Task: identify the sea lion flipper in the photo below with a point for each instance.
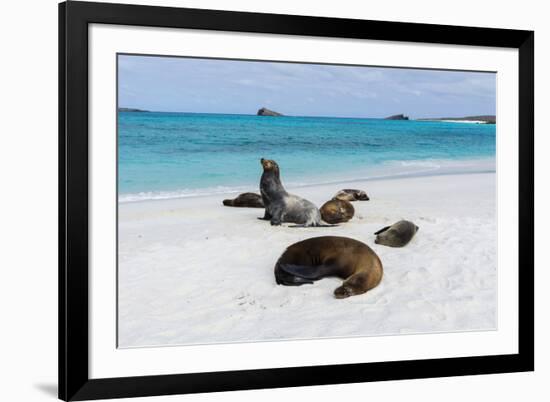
(321, 225)
(293, 281)
(266, 217)
(284, 278)
(382, 230)
(307, 271)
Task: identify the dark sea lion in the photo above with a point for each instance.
(319, 257)
(281, 206)
(349, 194)
(248, 200)
(396, 235)
(337, 211)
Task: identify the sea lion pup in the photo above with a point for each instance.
(396, 235)
(249, 200)
(281, 206)
(318, 257)
(337, 211)
(349, 194)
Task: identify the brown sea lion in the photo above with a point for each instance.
(396, 235)
(319, 257)
(281, 206)
(245, 200)
(349, 194)
(337, 211)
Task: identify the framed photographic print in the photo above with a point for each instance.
(257, 200)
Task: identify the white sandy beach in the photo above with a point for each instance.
(194, 271)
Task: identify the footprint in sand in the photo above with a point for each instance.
(284, 303)
(242, 299)
(245, 300)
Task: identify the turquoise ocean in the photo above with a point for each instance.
(172, 155)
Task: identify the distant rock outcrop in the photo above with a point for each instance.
(130, 109)
(266, 112)
(397, 117)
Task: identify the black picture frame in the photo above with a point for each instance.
(74, 381)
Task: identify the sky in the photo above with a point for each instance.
(177, 84)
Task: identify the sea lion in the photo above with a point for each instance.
(349, 194)
(396, 235)
(318, 257)
(337, 211)
(281, 206)
(250, 200)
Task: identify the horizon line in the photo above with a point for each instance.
(136, 109)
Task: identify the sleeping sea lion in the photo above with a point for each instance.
(349, 194)
(318, 257)
(281, 206)
(337, 211)
(396, 235)
(250, 200)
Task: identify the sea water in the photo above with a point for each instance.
(170, 155)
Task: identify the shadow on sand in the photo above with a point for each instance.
(48, 389)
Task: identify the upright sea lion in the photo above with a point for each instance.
(337, 211)
(249, 200)
(281, 206)
(318, 257)
(349, 194)
(396, 235)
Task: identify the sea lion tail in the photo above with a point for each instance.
(228, 203)
(289, 280)
(282, 277)
(382, 230)
(312, 272)
(320, 225)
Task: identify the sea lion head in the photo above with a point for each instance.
(345, 291)
(362, 196)
(342, 292)
(269, 165)
(351, 195)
